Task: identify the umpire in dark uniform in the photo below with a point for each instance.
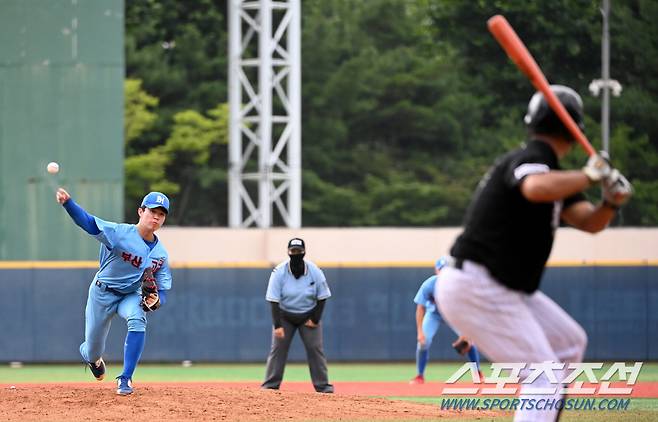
(489, 290)
(297, 292)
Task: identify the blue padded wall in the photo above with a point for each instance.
(220, 314)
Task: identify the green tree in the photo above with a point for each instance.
(179, 50)
(190, 165)
(138, 114)
(571, 55)
(405, 104)
(387, 115)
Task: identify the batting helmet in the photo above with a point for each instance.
(440, 263)
(540, 118)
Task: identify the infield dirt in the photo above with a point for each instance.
(203, 402)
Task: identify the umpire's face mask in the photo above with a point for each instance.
(297, 262)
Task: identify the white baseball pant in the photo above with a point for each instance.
(510, 326)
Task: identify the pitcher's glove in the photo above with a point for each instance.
(461, 345)
(150, 297)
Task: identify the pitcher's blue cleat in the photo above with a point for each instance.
(124, 386)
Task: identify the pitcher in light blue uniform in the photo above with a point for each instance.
(428, 321)
(126, 251)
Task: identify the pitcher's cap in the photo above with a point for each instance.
(156, 200)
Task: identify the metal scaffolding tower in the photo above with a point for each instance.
(265, 112)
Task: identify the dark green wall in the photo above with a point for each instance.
(61, 99)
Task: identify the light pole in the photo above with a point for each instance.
(605, 84)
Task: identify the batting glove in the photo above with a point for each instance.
(617, 190)
(598, 167)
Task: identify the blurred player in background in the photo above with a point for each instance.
(498, 260)
(126, 251)
(428, 321)
(297, 292)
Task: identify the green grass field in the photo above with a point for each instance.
(639, 409)
(372, 372)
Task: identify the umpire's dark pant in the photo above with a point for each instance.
(317, 362)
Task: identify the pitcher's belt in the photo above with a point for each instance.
(104, 288)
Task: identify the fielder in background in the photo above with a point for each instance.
(428, 321)
(498, 260)
(127, 252)
(297, 292)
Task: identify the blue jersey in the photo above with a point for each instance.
(124, 256)
(425, 295)
(297, 295)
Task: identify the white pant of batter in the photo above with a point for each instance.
(510, 326)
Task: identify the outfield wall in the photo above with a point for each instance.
(219, 313)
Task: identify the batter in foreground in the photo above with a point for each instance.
(489, 290)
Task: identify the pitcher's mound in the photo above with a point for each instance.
(199, 402)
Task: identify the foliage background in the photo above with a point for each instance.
(405, 103)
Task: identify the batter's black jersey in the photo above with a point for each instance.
(504, 231)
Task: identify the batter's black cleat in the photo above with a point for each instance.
(97, 369)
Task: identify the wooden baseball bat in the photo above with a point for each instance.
(517, 51)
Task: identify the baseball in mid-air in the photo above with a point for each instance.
(52, 167)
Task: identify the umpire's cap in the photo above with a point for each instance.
(296, 244)
(156, 200)
(541, 118)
